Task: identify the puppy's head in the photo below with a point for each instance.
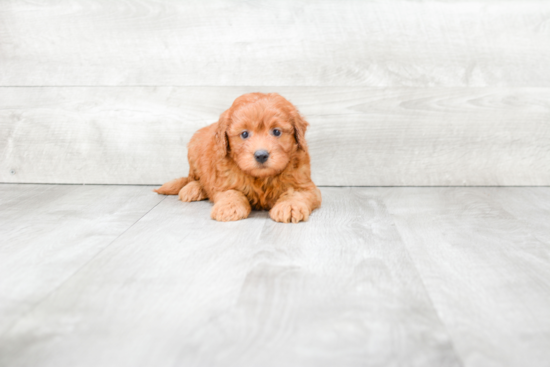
(261, 133)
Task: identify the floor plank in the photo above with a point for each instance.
(377, 277)
(337, 291)
(530, 205)
(180, 289)
(134, 304)
(12, 195)
(487, 271)
(48, 232)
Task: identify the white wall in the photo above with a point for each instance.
(397, 92)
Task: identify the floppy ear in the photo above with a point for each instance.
(300, 127)
(222, 143)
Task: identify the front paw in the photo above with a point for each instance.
(290, 211)
(192, 192)
(229, 211)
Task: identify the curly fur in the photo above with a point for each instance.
(223, 168)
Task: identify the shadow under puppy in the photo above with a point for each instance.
(256, 157)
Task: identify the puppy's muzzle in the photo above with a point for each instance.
(261, 156)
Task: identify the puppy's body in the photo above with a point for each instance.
(224, 167)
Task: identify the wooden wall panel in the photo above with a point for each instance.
(275, 43)
(398, 93)
(358, 136)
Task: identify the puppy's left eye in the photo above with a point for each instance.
(276, 132)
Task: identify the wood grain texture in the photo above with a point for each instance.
(275, 43)
(180, 289)
(358, 136)
(531, 206)
(339, 290)
(49, 232)
(484, 257)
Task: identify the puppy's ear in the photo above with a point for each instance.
(300, 127)
(222, 143)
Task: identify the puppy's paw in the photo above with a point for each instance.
(289, 211)
(192, 192)
(227, 211)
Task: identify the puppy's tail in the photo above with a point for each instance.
(173, 187)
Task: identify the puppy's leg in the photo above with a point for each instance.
(295, 206)
(193, 191)
(230, 205)
(173, 187)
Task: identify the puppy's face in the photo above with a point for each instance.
(262, 132)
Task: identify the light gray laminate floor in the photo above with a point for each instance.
(119, 276)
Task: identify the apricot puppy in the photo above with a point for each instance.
(254, 157)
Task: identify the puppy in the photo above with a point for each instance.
(254, 157)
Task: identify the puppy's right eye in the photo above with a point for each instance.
(244, 134)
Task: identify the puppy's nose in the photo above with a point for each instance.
(261, 156)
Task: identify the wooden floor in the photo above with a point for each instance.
(119, 276)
